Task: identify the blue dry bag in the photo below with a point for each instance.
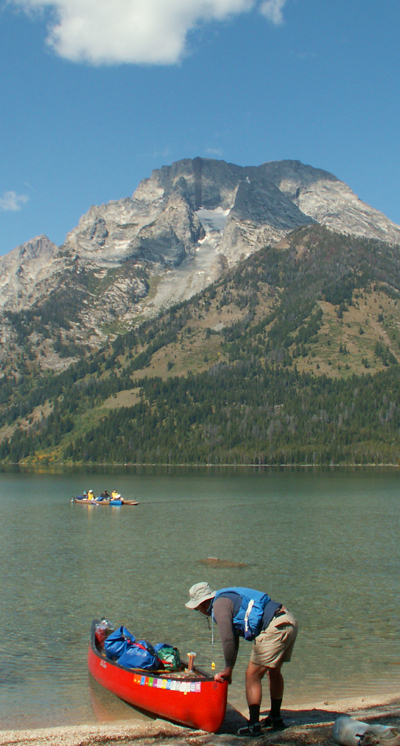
(140, 655)
(116, 643)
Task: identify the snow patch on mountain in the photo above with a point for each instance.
(213, 221)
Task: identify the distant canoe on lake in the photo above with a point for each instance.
(96, 501)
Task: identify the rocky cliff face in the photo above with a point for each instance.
(330, 202)
(181, 228)
(24, 272)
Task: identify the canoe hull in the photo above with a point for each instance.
(89, 502)
(198, 703)
(104, 502)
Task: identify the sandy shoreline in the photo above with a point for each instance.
(307, 724)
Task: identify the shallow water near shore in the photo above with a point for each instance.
(325, 543)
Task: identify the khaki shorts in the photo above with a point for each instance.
(274, 645)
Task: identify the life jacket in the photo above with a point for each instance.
(247, 622)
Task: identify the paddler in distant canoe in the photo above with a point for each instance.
(104, 496)
(245, 612)
(116, 496)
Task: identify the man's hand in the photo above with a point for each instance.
(225, 675)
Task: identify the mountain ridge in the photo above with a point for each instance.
(184, 226)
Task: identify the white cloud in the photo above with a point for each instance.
(214, 151)
(135, 31)
(272, 9)
(10, 201)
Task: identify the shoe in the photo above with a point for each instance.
(251, 730)
(274, 723)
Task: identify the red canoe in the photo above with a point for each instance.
(193, 699)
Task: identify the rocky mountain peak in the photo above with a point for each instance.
(24, 269)
(182, 227)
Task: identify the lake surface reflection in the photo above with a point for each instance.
(324, 543)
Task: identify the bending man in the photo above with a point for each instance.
(244, 612)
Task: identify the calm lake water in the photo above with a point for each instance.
(324, 543)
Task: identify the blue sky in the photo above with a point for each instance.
(96, 94)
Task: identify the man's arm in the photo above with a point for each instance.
(223, 614)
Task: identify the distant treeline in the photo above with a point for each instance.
(240, 413)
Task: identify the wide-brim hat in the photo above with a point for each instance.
(198, 593)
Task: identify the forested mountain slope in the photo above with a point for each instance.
(291, 357)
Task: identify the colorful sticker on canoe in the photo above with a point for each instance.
(172, 685)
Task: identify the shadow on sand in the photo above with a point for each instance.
(309, 726)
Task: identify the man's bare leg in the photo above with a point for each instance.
(276, 683)
(254, 677)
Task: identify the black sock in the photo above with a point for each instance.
(275, 712)
(254, 712)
